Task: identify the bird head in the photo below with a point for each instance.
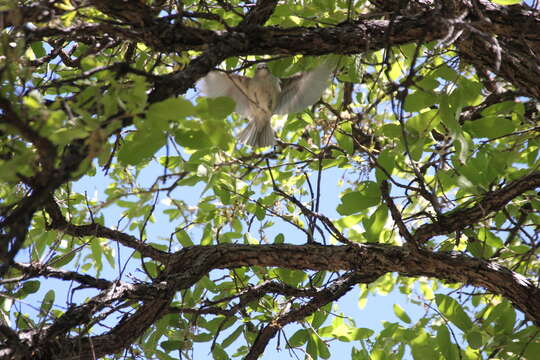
(261, 69)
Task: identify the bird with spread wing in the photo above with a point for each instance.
(263, 95)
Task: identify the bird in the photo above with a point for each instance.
(263, 95)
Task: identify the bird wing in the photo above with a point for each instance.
(303, 90)
(217, 84)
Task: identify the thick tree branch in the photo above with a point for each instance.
(460, 219)
(12, 340)
(446, 266)
(193, 263)
(497, 38)
(478, 29)
(490, 36)
(135, 13)
(121, 336)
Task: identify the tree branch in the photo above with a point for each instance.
(323, 297)
(447, 266)
(37, 269)
(259, 14)
(460, 219)
(58, 222)
(45, 148)
(367, 260)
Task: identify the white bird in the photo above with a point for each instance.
(263, 95)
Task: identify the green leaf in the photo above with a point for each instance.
(462, 144)
(137, 97)
(386, 160)
(507, 2)
(344, 138)
(220, 107)
(218, 353)
(203, 337)
(467, 92)
(392, 131)
(38, 49)
(231, 338)
(422, 346)
(489, 238)
(184, 239)
(260, 213)
(505, 108)
(60, 260)
(97, 252)
(151, 268)
(479, 250)
(361, 333)
(419, 100)
(141, 147)
(474, 338)
(322, 348)
(489, 127)
(355, 201)
(343, 332)
(207, 235)
(219, 322)
(444, 343)
(298, 339)
(374, 224)
(363, 354)
(312, 347)
(453, 311)
(29, 287)
(320, 316)
(279, 239)
(280, 66)
(449, 116)
(290, 276)
(424, 352)
(401, 314)
(424, 122)
(171, 345)
(47, 303)
(33, 102)
(193, 139)
(445, 72)
(89, 62)
(506, 317)
(171, 109)
(295, 123)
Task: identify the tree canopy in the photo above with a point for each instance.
(417, 172)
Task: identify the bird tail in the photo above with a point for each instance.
(257, 137)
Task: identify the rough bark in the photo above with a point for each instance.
(502, 40)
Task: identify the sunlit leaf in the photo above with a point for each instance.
(401, 314)
(355, 201)
(453, 311)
